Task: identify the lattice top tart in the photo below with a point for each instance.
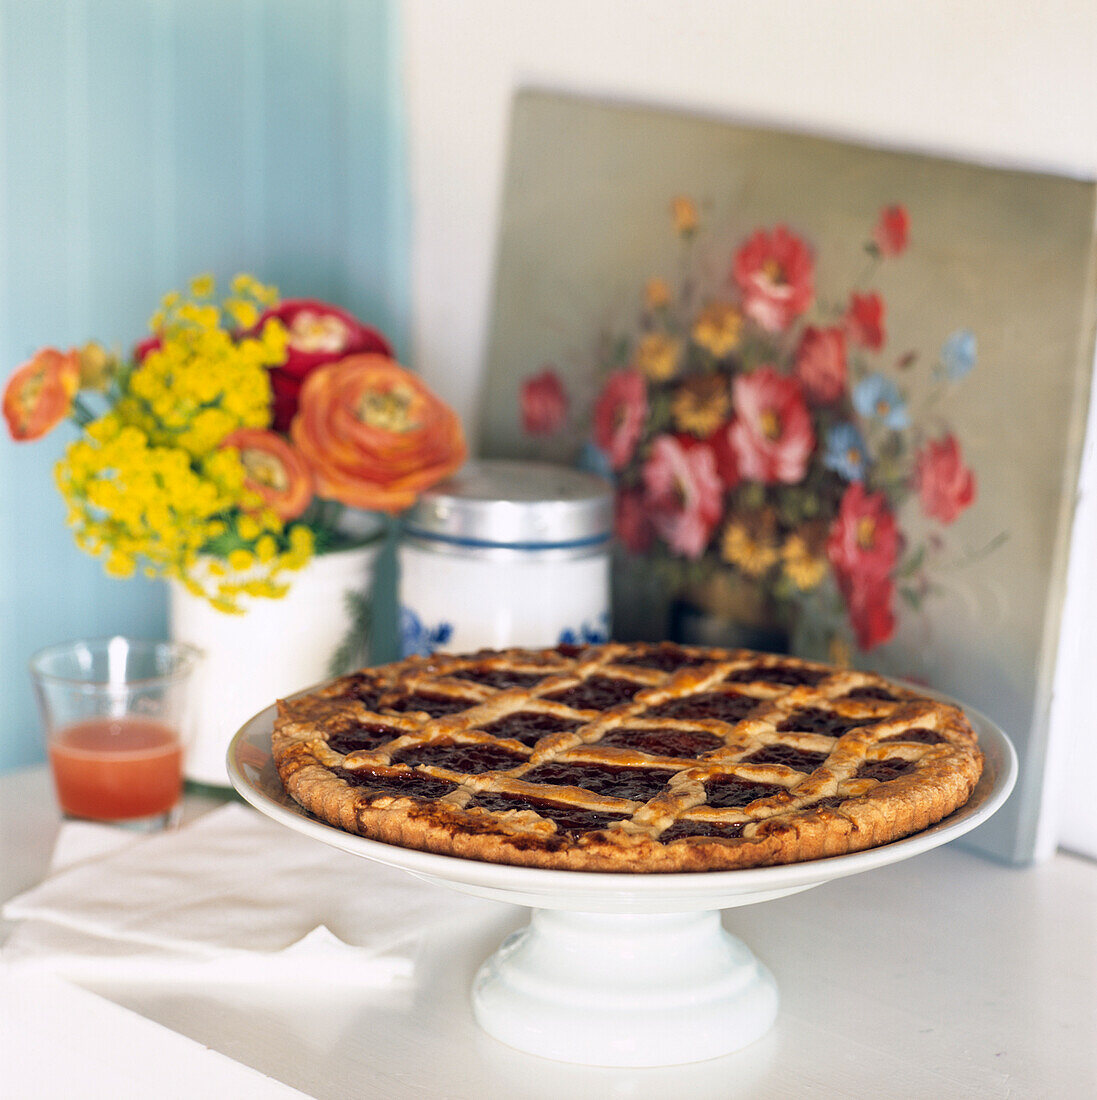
(625, 757)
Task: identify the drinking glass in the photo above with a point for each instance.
(114, 712)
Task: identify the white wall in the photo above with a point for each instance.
(1006, 82)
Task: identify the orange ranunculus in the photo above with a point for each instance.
(373, 433)
(274, 470)
(39, 394)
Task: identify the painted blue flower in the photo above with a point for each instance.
(958, 354)
(877, 397)
(846, 453)
(418, 638)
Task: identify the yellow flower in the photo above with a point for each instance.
(202, 286)
(752, 554)
(805, 569)
(656, 294)
(683, 211)
(701, 405)
(243, 312)
(717, 328)
(657, 356)
(241, 560)
(97, 367)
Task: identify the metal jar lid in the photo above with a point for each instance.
(519, 505)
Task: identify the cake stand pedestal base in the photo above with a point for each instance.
(617, 989)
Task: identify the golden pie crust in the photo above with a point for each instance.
(625, 757)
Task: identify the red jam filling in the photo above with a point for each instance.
(501, 678)
(639, 784)
(800, 759)
(596, 693)
(828, 803)
(666, 741)
(471, 759)
(729, 791)
(724, 706)
(871, 693)
(434, 705)
(883, 770)
(529, 726)
(817, 720)
(568, 820)
(369, 735)
(729, 831)
(408, 784)
(665, 658)
(920, 734)
(363, 688)
(779, 674)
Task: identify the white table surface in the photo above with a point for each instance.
(943, 976)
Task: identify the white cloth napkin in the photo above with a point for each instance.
(58, 1040)
(230, 897)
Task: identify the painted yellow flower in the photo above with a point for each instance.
(717, 328)
(656, 293)
(805, 569)
(838, 652)
(683, 211)
(657, 356)
(701, 405)
(753, 554)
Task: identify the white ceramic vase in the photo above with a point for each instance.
(277, 647)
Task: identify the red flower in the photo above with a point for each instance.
(864, 321)
(143, 347)
(945, 485)
(318, 333)
(544, 403)
(631, 522)
(871, 614)
(619, 415)
(892, 231)
(864, 539)
(863, 547)
(682, 493)
(775, 275)
(723, 450)
(821, 363)
(772, 434)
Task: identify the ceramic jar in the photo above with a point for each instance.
(503, 554)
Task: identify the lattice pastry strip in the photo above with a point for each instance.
(628, 758)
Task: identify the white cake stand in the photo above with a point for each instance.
(620, 970)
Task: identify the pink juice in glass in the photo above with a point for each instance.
(117, 769)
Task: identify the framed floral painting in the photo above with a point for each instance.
(840, 392)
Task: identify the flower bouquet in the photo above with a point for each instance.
(223, 451)
(763, 443)
(243, 452)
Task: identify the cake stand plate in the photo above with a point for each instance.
(620, 969)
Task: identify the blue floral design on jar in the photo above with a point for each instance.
(587, 633)
(417, 638)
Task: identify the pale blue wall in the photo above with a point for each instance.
(143, 142)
